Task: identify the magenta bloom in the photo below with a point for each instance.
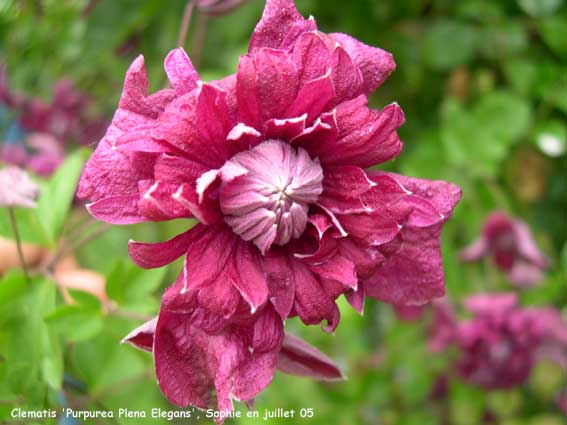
(500, 344)
(40, 153)
(273, 163)
(17, 189)
(68, 116)
(511, 245)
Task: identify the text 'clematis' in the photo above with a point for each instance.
(273, 163)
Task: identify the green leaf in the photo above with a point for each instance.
(52, 362)
(29, 226)
(127, 283)
(479, 138)
(448, 44)
(506, 116)
(12, 286)
(57, 194)
(31, 353)
(85, 299)
(521, 74)
(554, 33)
(75, 323)
(540, 8)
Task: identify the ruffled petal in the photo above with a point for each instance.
(375, 64)
(414, 274)
(109, 171)
(312, 303)
(365, 138)
(279, 26)
(267, 84)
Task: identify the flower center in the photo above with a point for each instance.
(265, 192)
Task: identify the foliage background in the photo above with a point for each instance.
(482, 83)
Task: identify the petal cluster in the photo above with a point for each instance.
(499, 346)
(510, 244)
(272, 161)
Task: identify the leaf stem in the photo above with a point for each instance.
(185, 22)
(14, 225)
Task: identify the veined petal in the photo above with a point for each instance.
(117, 210)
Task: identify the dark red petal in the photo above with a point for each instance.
(143, 336)
(152, 255)
(280, 282)
(311, 56)
(117, 210)
(248, 276)
(213, 122)
(279, 21)
(157, 203)
(346, 181)
(365, 139)
(313, 98)
(414, 274)
(374, 64)
(177, 170)
(312, 303)
(301, 359)
(181, 367)
(285, 129)
(347, 78)
(356, 298)
(206, 211)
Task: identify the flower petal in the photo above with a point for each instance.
(152, 255)
(279, 21)
(414, 274)
(143, 336)
(248, 276)
(374, 64)
(280, 282)
(156, 201)
(180, 71)
(117, 210)
(301, 359)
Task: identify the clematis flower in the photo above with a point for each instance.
(499, 346)
(273, 163)
(40, 153)
(511, 245)
(69, 116)
(17, 189)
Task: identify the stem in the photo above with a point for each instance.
(185, 22)
(14, 225)
(199, 40)
(65, 249)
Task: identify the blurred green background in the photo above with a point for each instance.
(484, 88)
